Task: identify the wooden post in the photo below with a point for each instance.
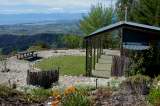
(94, 55)
(90, 57)
(121, 49)
(97, 49)
(86, 41)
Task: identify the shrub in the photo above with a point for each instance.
(154, 96)
(76, 99)
(71, 96)
(39, 46)
(139, 84)
(156, 82)
(7, 92)
(38, 95)
(146, 62)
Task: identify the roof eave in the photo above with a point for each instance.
(120, 24)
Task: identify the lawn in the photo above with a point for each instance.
(69, 65)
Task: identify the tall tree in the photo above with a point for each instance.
(98, 17)
(72, 41)
(147, 12)
(141, 11)
(121, 7)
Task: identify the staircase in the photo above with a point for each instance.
(103, 67)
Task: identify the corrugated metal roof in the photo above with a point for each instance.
(124, 23)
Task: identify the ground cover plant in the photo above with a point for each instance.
(28, 96)
(69, 65)
(154, 94)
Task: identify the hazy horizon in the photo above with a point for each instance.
(30, 11)
(49, 6)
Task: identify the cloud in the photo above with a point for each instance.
(26, 6)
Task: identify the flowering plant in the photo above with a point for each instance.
(71, 96)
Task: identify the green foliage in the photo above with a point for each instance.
(139, 84)
(121, 7)
(154, 96)
(98, 17)
(85, 88)
(38, 95)
(72, 41)
(141, 11)
(7, 92)
(39, 46)
(147, 12)
(156, 81)
(146, 62)
(78, 98)
(69, 65)
(139, 79)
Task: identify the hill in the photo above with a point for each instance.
(11, 19)
(58, 27)
(21, 36)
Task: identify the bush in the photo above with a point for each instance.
(7, 92)
(34, 95)
(71, 96)
(78, 98)
(156, 82)
(145, 62)
(38, 95)
(154, 96)
(139, 84)
(72, 41)
(38, 46)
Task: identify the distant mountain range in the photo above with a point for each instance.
(10, 19)
(23, 30)
(53, 27)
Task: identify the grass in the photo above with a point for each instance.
(69, 65)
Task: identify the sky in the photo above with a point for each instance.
(48, 6)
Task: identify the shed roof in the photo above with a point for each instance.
(125, 24)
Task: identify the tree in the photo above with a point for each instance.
(39, 46)
(147, 12)
(98, 17)
(122, 5)
(141, 11)
(72, 41)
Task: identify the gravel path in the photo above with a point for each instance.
(89, 81)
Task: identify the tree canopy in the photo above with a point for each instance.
(98, 17)
(141, 11)
(147, 12)
(72, 41)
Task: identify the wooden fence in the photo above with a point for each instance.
(43, 79)
(120, 65)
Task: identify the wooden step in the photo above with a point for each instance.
(104, 74)
(105, 61)
(103, 67)
(106, 57)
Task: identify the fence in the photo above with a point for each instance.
(43, 78)
(120, 65)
